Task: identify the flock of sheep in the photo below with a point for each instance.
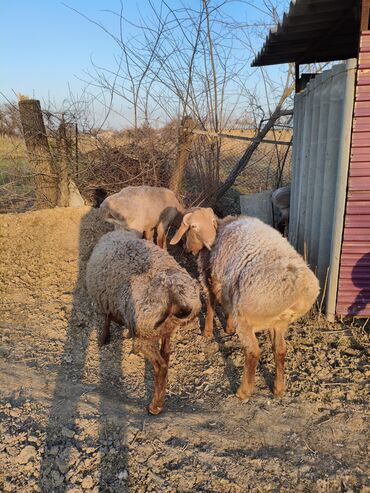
(257, 277)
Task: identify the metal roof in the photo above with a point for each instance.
(313, 31)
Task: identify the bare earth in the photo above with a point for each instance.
(73, 416)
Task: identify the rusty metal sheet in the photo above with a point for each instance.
(363, 92)
(361, 124)
(358, 234)
(358, 309)
(358, 207)
(348, 275)
(352, 292)
(352, 250)
(358, 196)
(361, 169)
(354, 296)
(360, 111)
(360, 139)
(361, 258)
(362, 104)
(364, 80)
(359, 182)
(357, 221)
(355, 151)
(364, 95)
(365, 42)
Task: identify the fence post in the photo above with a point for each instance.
(64, 154)
(45, 176)
(186, 138)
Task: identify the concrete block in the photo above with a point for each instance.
(258, 205)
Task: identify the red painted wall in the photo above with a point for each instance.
(354, 275)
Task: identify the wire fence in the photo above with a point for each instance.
(147, 156)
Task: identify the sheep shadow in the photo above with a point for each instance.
(65, 441)
(360, 276)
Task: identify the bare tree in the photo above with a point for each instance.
(192, 62)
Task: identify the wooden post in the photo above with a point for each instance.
(186, 138)
(64, 164)
(296, 77)
(45, 176)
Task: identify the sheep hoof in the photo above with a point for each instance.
(154, 410)
(243, 394)
(278, 392)
(230, 330)
(208, 333)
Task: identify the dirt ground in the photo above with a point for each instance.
(74, 418)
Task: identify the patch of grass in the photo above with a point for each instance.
(16, 187)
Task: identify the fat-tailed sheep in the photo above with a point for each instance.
(142, 210)
(135, 283)
(258, 278)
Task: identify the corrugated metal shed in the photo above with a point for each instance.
(354, 277)
(322, 132)
(313, 31)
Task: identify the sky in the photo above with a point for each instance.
(47, 48)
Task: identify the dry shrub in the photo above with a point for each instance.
(140, 157)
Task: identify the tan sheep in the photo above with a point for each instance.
(258, 278)
(143, 209)
(137, 284)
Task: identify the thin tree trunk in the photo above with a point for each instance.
(185, 140)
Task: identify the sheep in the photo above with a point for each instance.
(143, 209)
(258, 278)
(280, 199)
(137, 284)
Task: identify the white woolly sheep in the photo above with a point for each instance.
(136, 284)
(143, 209)
(258, 278)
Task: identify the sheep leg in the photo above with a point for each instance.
(210, 313)
(105, 336)
(230, 329)
(279, 348)
(163, 374)
(160, 380)
(251, 355)
(161, 236)
(148, 234)
(160, 369)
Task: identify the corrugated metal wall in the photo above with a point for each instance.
(322, 131)
(354, 278)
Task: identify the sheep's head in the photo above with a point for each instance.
(200, 227)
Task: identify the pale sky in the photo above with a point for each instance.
(47, 48)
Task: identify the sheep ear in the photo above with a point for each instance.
(182, 229)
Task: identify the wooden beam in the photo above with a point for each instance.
(241, 137)
(296, 66)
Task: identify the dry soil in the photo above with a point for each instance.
(74, 418)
